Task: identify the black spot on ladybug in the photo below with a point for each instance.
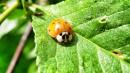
(68, 33)
(67, 36)
(63, 37)
(53, 23)
(49, 30)
(60, 34)
(65, 22)
(69, 28)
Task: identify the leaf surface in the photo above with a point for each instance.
(100, 26)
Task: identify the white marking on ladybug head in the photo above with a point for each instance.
(64, 33)
(59, 38)
(70, 37)
(64, 37)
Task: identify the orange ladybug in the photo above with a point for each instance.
(60, 30)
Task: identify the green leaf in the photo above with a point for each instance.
(101, 27)
(13, 21)
(32, 68)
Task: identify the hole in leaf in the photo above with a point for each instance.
(103, 19)
(118, 54)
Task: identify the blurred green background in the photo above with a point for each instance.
(11, 31)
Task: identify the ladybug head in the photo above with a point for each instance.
(64, 37)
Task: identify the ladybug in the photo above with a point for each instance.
(60, 30)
